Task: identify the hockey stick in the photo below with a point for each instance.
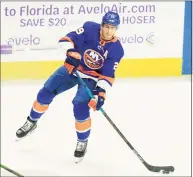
(11, 171)
(163, 169)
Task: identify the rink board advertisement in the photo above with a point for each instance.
(152, 40)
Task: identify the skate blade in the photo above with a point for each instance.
(19, 139)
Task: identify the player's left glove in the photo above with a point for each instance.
(99, 100)
(72, 60)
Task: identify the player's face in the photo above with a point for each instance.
(108, 31)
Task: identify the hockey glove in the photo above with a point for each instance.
(72, 60)
(99, 100)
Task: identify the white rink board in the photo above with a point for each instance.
(145, 31)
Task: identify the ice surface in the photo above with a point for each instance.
(153, 113)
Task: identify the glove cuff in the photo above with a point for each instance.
(75, 55)
(101, 92)
(100, 89)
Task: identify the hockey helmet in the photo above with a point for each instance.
(111, 18)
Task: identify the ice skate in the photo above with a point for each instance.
(80, 151)
(26, 129)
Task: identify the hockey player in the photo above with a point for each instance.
(94, 52)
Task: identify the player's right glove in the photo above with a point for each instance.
(72, 60)
(99, 100)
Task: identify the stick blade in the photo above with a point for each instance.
(162, 169)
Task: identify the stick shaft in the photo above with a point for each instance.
(11, 171)
(110, 121)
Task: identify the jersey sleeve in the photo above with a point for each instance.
(107, 74)
(77, 37)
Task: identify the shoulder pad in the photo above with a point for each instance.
(89, 25)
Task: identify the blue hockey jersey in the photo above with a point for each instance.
(100, 58)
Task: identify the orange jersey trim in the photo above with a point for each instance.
(95, 74)
(90, 73)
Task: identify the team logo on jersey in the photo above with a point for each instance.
(93, 59)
